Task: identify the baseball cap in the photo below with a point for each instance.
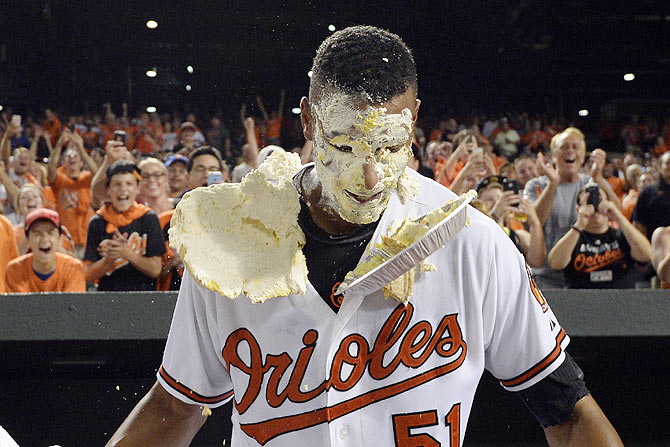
(186, 124)
(42, 214)
(176, 158)
(493, 180)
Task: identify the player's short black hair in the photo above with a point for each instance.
(204, 150)
(364, 60)
(122, 167)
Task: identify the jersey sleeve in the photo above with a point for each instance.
(193, 368)
(525, 343)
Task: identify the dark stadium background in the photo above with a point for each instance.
(520, 55)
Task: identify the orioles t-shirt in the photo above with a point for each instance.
(145, 236)
(600, 261)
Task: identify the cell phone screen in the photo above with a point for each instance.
(214, 177)
(120, 135)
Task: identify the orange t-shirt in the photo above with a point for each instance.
(143, 145)
(628, 203)
(73, 203)
(660, 150)
(446, 180)
(435, 134)
(53, 127)
(49, 198)
(68, 276)
(9, 250)
(163, 282)
(617, 185)
(274, 128)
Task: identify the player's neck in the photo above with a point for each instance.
(322, 214)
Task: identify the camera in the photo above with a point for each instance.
(594, 196)
(510, 185)
(120, 135)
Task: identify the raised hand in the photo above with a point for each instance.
(505, 204)
(546, 168)
(599, 158)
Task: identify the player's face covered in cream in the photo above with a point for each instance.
(360, 152)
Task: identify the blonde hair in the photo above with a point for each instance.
(557, 140)
(44, 174)
(154, 161)
(26, 187)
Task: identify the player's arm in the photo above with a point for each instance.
(587, 427)
(159, 419)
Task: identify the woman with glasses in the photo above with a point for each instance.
(154, 188)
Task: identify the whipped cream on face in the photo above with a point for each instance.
(347, 138)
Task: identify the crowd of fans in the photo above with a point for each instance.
(87, 199)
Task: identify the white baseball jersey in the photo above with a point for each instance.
(377, 372)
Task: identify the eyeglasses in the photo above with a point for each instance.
(156, 176)
(200, 169)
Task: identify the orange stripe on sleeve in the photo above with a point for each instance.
(539, 367)
(184, 390)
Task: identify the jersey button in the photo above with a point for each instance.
(344, 432)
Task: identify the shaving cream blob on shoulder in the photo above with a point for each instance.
(244, 238)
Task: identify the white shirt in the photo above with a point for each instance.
(302, 375)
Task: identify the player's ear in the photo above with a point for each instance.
(416, 112)
(306, 119)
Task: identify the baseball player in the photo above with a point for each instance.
(320, 369)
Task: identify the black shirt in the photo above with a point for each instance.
(330, 257)
(653, 207)
(600, 261)
(144, 235)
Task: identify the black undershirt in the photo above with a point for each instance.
(330, 257)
